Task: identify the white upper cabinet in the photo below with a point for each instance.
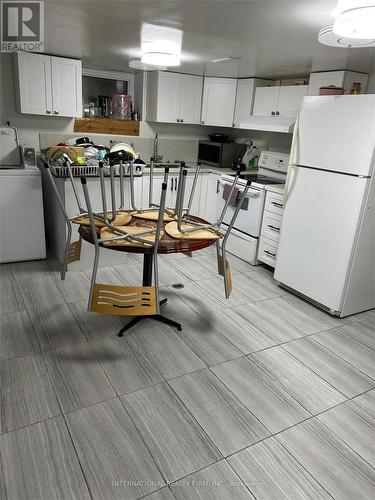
(339, 79)
(191, 98)
(245, 98)
(219, 96)
(66, 86)
(290, 99)
(34, 76)
(279, 100)
(49, 85)
(174, 97)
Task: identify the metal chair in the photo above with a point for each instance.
(125, 300)
(72, 251)
(223, 264)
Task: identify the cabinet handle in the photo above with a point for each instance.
(273, 113)
(175, 183)
(217, 187)
(273, 227)
(202, 122)
(270, 253)
(181, 120)
(172, 184)
(48, 111)
(177, 120)
(274, 203)
(56, 112)
(277, 112)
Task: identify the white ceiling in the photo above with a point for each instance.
(272, 38)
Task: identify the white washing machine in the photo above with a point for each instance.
(22, 234)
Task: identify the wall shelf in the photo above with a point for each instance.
(106, 126)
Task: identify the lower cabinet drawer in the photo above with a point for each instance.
(274, 203)
(242, 246)
(267, 251)
(271, 226)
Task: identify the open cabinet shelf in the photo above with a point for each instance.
(106, 126)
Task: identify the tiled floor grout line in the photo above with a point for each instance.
(280, 384)
(145, 444)
(79, 461)
(300, 463)
(317, 374)
(2, 475)
(345, 443)
(364, 373)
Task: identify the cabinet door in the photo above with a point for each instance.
(245, 96)
(156, 191)
(324, 79)
(34, 75)
(66, 86)
(168, 97)
(266, 99)
(212, 198)
(191, 98)
(244, 101)
(219, 95)
(290, 99)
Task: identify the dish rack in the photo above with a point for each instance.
(77, 171)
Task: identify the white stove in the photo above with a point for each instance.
(243, 242)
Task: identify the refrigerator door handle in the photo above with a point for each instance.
(292, 161)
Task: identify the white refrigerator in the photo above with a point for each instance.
(327, 244)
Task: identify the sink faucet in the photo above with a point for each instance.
(157, 157)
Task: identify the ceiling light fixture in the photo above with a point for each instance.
(138, 64)
(225, 59)
(158, 58)
(356, 19)
(160, 45)
(328, 37)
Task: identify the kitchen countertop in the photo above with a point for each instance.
(276, 188)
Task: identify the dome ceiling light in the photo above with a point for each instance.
(328, 37)
(356, 19)
(160, 45)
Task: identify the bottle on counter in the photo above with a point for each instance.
(356, 88)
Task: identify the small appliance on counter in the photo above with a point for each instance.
(220, 154)
(11, 151)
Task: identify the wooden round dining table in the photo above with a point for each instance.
(167, 245)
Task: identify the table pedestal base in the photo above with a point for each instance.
(156, 317)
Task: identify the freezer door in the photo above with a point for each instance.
(318, 234)
(337, 133)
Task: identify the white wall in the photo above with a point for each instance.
(371, 84)
(30, 126)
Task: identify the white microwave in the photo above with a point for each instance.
(218, 154)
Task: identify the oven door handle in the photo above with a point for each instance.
(252, 193)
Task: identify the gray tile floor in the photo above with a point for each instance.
(263, 396)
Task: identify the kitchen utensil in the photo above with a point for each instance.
(83, 141)
(219, 137)
(103, 104)
(116, 157)
(331, 90)
(120, 106)
(125, 147)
